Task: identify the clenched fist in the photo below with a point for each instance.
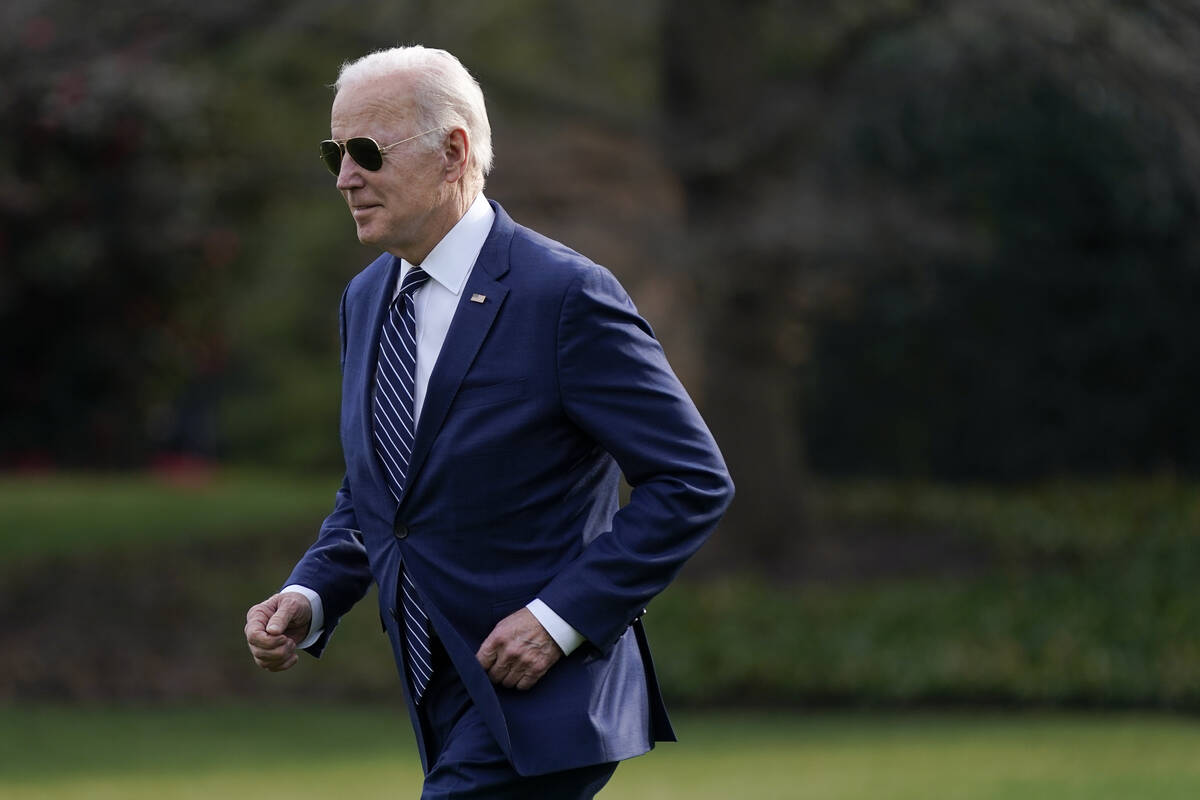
(274, 627)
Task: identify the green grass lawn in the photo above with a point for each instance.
(78, 513)
(235, 752)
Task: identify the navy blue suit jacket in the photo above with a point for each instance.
(543, 394)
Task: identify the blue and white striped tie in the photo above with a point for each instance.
(394, 428)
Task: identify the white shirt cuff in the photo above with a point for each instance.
(562, 633)
(317, 626)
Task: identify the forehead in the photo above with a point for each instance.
(371, 106)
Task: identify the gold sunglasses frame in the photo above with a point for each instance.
(341, 145)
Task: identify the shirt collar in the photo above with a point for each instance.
(450, 261)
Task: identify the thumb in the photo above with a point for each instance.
(279, 621)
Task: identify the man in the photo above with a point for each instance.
(495, 386)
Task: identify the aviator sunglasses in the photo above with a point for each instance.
(365, 151)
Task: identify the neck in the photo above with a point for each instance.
(441, 219)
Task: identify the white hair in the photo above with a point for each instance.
(444, 94)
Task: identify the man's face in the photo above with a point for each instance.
(396, 208)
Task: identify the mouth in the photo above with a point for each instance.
(356, 210)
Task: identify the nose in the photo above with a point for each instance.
(349, 175)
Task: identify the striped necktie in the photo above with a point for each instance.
(394, 427)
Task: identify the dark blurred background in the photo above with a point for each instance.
(929, 269)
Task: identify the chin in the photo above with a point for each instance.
(366, 236)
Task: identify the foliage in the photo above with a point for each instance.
(965, 233)
(1074, 594)
(936, 240)
(1034, 319)
(1077, 594)
(1054, 520)
(174, 252)
(1102, 636)
(116, 248)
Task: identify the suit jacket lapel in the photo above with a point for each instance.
(472, 321)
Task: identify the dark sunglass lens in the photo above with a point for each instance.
(365, 152)
(331, 154)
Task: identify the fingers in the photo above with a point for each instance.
(275, 654)
(276, 660)
(256, 622)
(519, 669)
(265, 627)
(518, 652)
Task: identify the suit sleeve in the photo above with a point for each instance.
(335, 566)
(617, 386)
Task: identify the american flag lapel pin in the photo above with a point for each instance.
(478, 298)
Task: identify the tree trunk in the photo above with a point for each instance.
(713, 83)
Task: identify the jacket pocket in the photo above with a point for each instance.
(491, 394)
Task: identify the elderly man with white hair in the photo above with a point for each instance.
(496, 386)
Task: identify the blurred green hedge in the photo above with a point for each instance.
(1080, 594)
(1070, 594)
(1113, 637)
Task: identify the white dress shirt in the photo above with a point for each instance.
(448, 265)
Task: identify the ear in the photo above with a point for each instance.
(456, 148)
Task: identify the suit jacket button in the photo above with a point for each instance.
(401, 531)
